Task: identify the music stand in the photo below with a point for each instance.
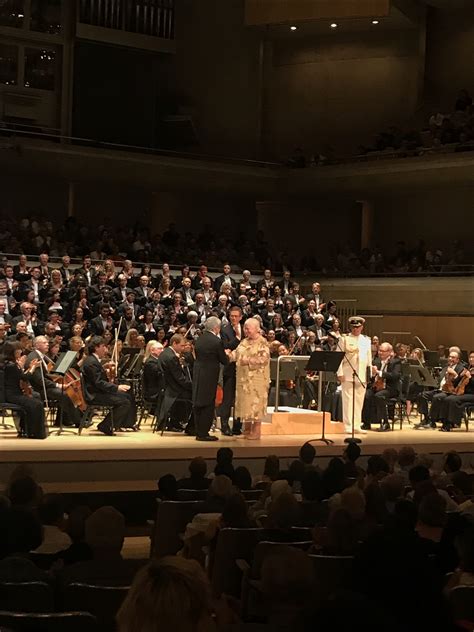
(62, 366)
(419, 375)
(327, 361)
(433, 359)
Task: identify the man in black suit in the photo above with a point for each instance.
(103, 322)
(98, 390)
(210, 355)
(451, 373)
(231, 335)
(66, 272)
(100, 288)
(143, 291)
(315, 295)
(120, 292)
(286, 284)
(389, 372)
(177, 384)
(87, 270)
(153, 378)
(224, 278)
(71, 415)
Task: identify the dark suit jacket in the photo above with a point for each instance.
(95, 379)
(218, 281)
(230, 341)
(210, 355)
(95, 326)
(62, 269)
(140, 297)
(153, 379)
(92, 271)
(117, 294)
(176, 382)
(95, 292)
(392, 376)
(20, 276)
(36, 380)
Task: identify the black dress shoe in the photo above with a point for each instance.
(366, 427)
(445, 429)
(174, 429)
(384, 427)
(107, 430)
(207, 438)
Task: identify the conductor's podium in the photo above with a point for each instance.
(298, 421)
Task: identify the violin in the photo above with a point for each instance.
(466, 376)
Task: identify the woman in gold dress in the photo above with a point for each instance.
(252, 358)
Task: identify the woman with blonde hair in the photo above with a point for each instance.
(131, 339)
(171, 594)
(252, 358)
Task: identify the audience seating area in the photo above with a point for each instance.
(273, 551)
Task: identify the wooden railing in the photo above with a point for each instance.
(148, 17)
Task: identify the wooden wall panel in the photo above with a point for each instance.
(281, 11)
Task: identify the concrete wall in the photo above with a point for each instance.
(340, 90)
(217, 74)
(449, 54)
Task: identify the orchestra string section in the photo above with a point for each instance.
(101, 348)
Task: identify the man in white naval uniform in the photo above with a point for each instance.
(357, 348)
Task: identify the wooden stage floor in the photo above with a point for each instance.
(135, 460)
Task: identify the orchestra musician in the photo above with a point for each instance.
(44, 384)
(452, 407)
(178, 385)
(15, 381)
(153, 378)
(449, 379)
(357, 348)
(100, 391)
(385, 384)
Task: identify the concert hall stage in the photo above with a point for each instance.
(134, 460)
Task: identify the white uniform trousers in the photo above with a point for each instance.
(347, 404)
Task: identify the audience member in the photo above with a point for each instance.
(197, 475)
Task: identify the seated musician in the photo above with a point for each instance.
(178, 385)
(453, 406)
(99, 391)
(449, 378)
(43, 383)
(385, 385)
(153, 379)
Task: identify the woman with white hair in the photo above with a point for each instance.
(252, 358)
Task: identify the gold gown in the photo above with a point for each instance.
(253, 378)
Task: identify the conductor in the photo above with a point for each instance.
(210, 355)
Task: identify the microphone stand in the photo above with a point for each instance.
(352, 438)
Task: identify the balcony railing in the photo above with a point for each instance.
(147, 17)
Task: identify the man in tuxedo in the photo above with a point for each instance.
(42, 381)
(452, 373)
(389, 372)
(210, 355)
(188, 292)
(100, 289)
(120, 292)
(143, 291)
(103, 322)
(315, 295)
(286, 284)
(231, 335)
(98, 390)
(224, 278)
(66, 272)
(177, 385)
(87, 270)
(453, 406)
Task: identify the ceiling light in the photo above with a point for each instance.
(334, 25)
(375, 21)
(293, 28)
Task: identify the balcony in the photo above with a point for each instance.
(143, 24)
